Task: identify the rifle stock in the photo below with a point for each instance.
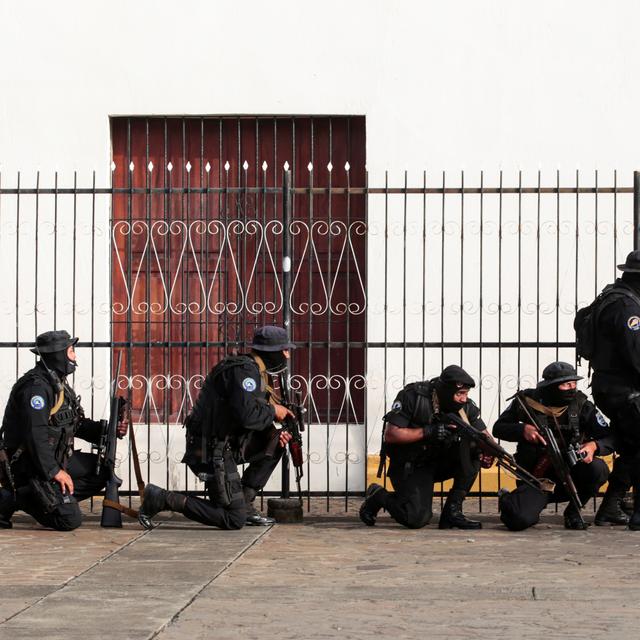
(111, 516)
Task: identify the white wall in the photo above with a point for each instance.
(444, 85)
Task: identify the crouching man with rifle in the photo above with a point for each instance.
(40, 472)
(231, 423)
(559, 434)
(423, 450)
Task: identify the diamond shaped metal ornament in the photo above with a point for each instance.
(347, 166)
(265, 166)
(310, 167)
(245, 165)
(207, 167)
(227, 166)
(286, 166)
(188, 167)
(113, 166)
(329, 167)
(170, 167)
(150, 166)
(131, 166)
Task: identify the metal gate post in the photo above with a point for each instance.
(636, 210)
(286, 294)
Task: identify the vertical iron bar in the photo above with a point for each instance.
(366, 326)
(442, 262)
(129, 315)
(18, 274)
(55, 252)
(404, 280)
(286, 292)
(636, 210)
(461, 268)
(500, 308)
(347, 403)
(424, 273)
(74, 257)
(538, 203)
(35, 257)
(577, 254)
(557, 263)
(310, 319)
(480, 309)
(386, 292)
(329, 310)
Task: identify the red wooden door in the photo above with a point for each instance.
(197, 240)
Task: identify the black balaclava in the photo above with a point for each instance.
(59, 362)
(553, 396)
(274, 361)
(632, 279)
(446, 391)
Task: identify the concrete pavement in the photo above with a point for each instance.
(329, 577)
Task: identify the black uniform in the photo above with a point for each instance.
(38, 433)
(414, 468)
(234, 401)
(616, 381)
(581, 422)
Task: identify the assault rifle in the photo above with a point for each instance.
(111, 507)
(557, 460)
(489, 446)
(295, 426)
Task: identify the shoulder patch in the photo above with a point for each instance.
(600, 420)
(396, 406)
(37, 402)
(249, 384)
(633, 323)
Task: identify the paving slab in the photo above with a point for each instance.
(329, 579)
(121, 583)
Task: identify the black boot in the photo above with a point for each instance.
(373, 502)
(452, 516)
(254, 517)
(634, 521)
(572, 519)
(626, 504)
(610, 511)
(7, 507)
(156, 499)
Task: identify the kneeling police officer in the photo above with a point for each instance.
(231, 423)
(43, 475)
(423, 450)
(576, 423)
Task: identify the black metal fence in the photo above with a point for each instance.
(379, 285)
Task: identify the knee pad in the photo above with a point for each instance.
(419, 520)
(521, 508)
(67, 517)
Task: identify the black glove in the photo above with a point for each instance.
(437, 432)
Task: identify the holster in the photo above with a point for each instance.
(223, 487)
(46, 495)
(219, 485)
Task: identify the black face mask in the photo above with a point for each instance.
(59, 362)
(274, 361)
(555, 397)
(445, 393)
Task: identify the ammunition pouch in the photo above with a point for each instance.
(222, 477)
(47, 495)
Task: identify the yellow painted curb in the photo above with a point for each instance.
(488, 481)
